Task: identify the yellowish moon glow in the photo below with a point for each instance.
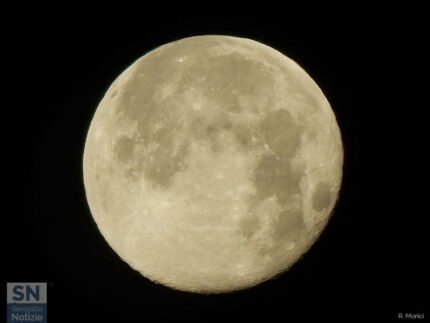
(212, 163)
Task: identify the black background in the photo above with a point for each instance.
(370, 262)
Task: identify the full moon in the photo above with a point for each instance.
(212, 164)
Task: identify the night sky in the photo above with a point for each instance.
(370, 262)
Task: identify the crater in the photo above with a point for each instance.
(321, 197)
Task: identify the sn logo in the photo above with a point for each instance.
(26, 293)
(18, 293)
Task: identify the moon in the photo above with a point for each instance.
(212, 164)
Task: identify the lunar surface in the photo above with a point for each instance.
(212, 163)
